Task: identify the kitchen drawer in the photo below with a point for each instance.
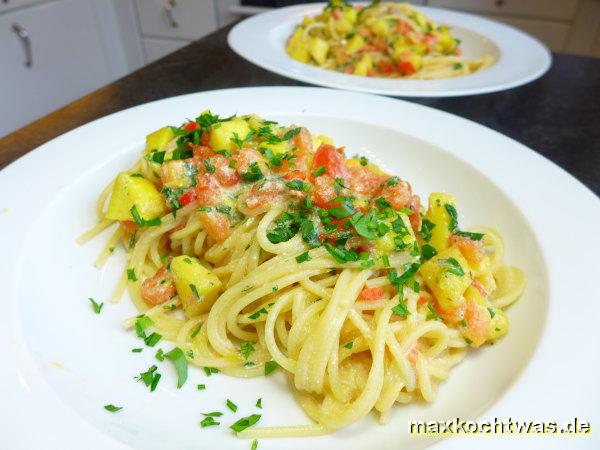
(549, 9)
(6, 5)
(553, 34)
(179, 19)
(157, 48)
(68, 60)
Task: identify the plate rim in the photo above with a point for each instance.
(11, 383)
(343, 81)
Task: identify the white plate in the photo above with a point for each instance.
(261, 40)
(61, 363)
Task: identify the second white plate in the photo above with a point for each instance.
(261, 40)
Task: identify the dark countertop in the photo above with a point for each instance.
(557, 115)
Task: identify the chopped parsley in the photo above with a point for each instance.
(453, 217)
(457, 66)
(259, 403)
(256, 314)
(209, 422)
(209, 166)
(319, 171)
(195, 291)
(140, 221)
(340, 254)
(150, 378)
(349, 345)
(254, 173)
(428, 252)
(470, 235)
(142, 323)
(246, 349)
(95, 306)
(303, 257)
(232, 406)
(433, 314)
(363, 161)
(452, 266)
(291, 133)
(298, 185)
(492, 313)
(270, 366)
(153, 339)
(245, 422)
(196, 331)
(426, 228)
(131, 275)
(136, 350)
(113, 408)
(201, 387)
(160, 355)
(181, 365)
(210, 370)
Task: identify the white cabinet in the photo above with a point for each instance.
(67, 59)
(181, 19)
(156, 48)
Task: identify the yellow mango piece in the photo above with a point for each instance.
(343, 26)
(276, 147)
(498, 325)
(297, 48)
(437, 213)
(159, 139)
(381, 28)
(178, 173)
(388, 242)
(350, 14)
(318, 139)
(363, 65)
(222, 132)
(318, 49)
(442, 274)
(355, 44)
(197, 287)
(130, 191)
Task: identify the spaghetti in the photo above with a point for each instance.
(282, 252)
(391, 40)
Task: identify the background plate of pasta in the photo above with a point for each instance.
(252, 268)
(390, 48)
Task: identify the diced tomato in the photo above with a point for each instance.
(364, 181)
(190, 126)
(295, 175)
(400, 196)
(247, 156)
(371, 294)
(406, 67)
(380, 46)
(208, 190)
(332, 159)
(129, 226)
(337, 13)
(451, 316)
(263, 195)
(477, 285)
(415, 217)
(385, 67)
(403, 27)
(412, 354)
(303, 141)
(477, 323)
(349, 69)
(188, 197)
(216, 225)
(324, 191)
(205, 139)
(159, 288)
(458, 52)
(201, 152)
(473, 251)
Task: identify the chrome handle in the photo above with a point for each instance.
(23, 36)
(168, 6)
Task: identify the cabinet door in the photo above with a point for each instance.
(179, 19)
(67, 60)
(157, 48)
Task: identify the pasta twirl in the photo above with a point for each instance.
(383, 39)
(281, 252)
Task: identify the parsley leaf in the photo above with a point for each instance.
(319, 171)
(428, 252)
(340, 254)
(270, 366)
(140, 221)
(113, 408)
(470, 235)
(303, 257)
(245, 422)
(246, 349)
(97, 307)
(209, 422)
(291, 133)
(426, 228)
(181, 365)
(254, 174)
(349, 345)
(452, 266)
(232, 406)
(453, 217)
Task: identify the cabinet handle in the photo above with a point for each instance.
(168, 6)
(23, 36)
